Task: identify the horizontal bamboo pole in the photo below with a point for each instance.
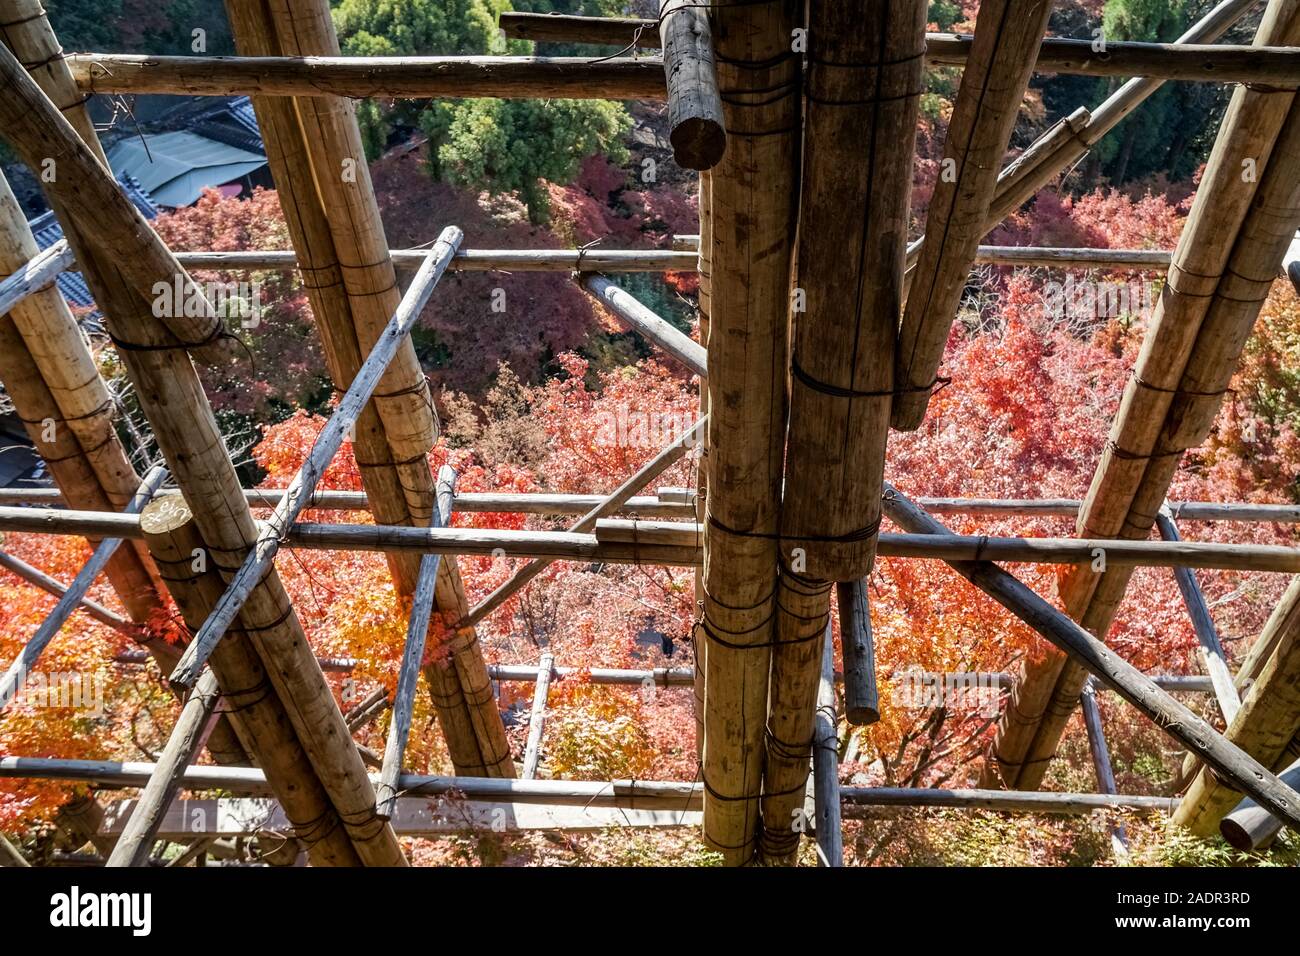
(322, 452)
(35, 576)
(636, 316)
(476, 260)
(664, 506)
(12, 680)
(357, 77)
(675, 543)
(627, 794)
(1273, 66)
(1171, 716)
(649, 506)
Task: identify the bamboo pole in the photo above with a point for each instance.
(607, 505)
(1101, 762)
(14, 677)
(258, 717)
(1216, 663)
(9, 855)
(35, 274)
(753, 214)
(1264, 727)
(537, 717)
(35, 576)
(826, 764)
(1237, 229)
(1183, 60)
(699, 495)
(695, 125)
(367, 710)
(369, 77)
(1007, 37)
(1227, 759)
(136, 842)
(1250, 826)
(408, 676)
(323, 451)
(861, 696)
(637, 317)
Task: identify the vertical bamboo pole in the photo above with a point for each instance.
(537, 717)
(1101, 762)
(699, 647)
(695, 125)
(754, 190)
(861, 696)
(826, 764)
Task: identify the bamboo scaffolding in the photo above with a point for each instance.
(861, 696)
(604, 506)
(187, 433)
(323, 451)
(1101, 762)
(667, 795)
(357, 77)
(1183, 60)
(1250, 826)
(1216, 663)
(35, 576)
(136, 842)
(695, 122)
(1238, 228)
(12, 681)
(537, 717)
(826, 764)
(753, 214)
(1181, 724)
(259, 719)
(1269, 719)
(1007, 37)
(637, 317)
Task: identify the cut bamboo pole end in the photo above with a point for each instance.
(696, 129)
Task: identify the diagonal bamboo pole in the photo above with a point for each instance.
(1131, 684)
(12, 681)
(611, 503)
(1101, 761)
(186, 740)
(537, 717)
(323, 450)
(35, 576)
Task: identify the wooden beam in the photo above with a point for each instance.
(605, 506)
(136, 842)
(1172, 717)
(9, 855)
(753, 206)
(826, 764)
(695, 124)
(1216, 663)
(357, 77)
(861, 695)
(1007, 37)
(1165, 61)
(537, 717)
(35, 274)
(632, 314)
(480, 260)
(1250, 826)
(322, 452)
(11, 683)
(674, 797)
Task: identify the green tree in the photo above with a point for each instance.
(498, 145)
